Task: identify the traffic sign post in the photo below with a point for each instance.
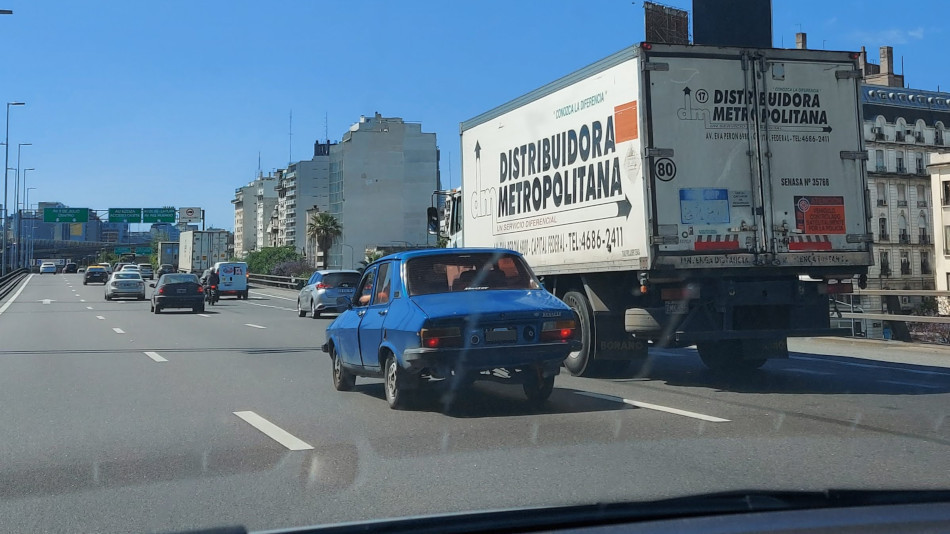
(158, 215)
(125, 215)
(141, 251)
(123, 250)
(65, 215)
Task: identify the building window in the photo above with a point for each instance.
(879, 161)
(885, 264)
(945, 195)
(920, 164)
(902, 234)
(882, 229)
(905, 262)
(921, 196)
(922, 229)
(901, 169)
(901, 195)
(925, 262)
(946, 240)
(882, 195)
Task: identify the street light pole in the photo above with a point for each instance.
(6, 209)
(19, 221)
(16, 206)
(352, 263)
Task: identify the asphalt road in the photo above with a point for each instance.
(118, 420)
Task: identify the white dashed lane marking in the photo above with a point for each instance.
(101, 318)
(254, 325)
(657, 407)
(118, 330)
(155, 356)
(274, 432)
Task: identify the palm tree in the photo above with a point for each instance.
(324, 228)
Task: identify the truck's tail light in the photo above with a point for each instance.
(558, 330)
(433, 338)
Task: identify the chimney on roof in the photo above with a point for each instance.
(801, 40)
(887, 60)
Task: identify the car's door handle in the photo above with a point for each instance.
(383, 312)
(360, 313)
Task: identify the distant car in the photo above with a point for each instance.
(323, 291)
(165, 268)
(146, 270)
(47, 267)
(71, 268)
(107, 267)
(118, 266)
(126, 283)
(177, 290)
(456, 314)
(95, 273)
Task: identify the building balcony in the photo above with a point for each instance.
(901, 203)
(903, 239)
(901, 169)
(899, 137)
(881, 202)
(921, 203)
(885, 271)
(919, 137)
(924, 239)
(886, 238)
(880, 168)
(905, 269)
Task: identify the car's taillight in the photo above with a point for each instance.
(161, 291)
(321, 285)
(433, 338)
(201, 289)
(558, 330)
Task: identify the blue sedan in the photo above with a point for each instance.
(451, 314)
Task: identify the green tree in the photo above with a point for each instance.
(265, 260)
(324, 228)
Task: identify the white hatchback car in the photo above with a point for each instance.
(47, 267)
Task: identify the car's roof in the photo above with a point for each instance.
(48, 263)
(409, 254)
(335, 271)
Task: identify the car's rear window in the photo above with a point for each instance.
(341, 279)
(95, 269)
(467, 272)
(179, 279)
(145, 265)
(128, 276)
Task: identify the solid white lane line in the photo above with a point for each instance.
(101, 318)
(254, 325)
(273, 431)
(203, 315)
(657, 407)
(911, 384)
(155, 356)
(869, 366)
(118, 330)
(272, 296)
(271, 306)
(15, 295)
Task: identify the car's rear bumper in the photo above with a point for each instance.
(192, 301)
(127, 293)
(489, 357)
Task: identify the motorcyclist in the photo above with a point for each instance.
(212, 281)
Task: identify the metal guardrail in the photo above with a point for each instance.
(10, 281)
(287, 282)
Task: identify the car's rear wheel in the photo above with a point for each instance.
(395, 379)
(300, 311)
(108, 297)
(85, 283)
(343, 380)
(157, 309)
(201, 309)
(537, 388)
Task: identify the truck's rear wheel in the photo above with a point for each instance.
(727, 355)
(579, 362)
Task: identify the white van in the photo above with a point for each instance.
(232, 278)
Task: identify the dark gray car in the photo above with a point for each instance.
(324, 289)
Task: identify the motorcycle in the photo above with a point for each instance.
(211, 295)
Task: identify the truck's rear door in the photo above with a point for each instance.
(754, 158)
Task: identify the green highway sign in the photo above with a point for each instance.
(125, 215)
(143, 250)
(65, 215)
(158, 215)
(123, 250)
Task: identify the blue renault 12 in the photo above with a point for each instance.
(451, 314)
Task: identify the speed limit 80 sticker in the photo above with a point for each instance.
(664, 169)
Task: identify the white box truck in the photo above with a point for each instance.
(168, 253)
(678, 195)
(200, 250)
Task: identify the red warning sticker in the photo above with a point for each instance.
(820, 215)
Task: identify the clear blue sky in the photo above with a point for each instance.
(145, 104)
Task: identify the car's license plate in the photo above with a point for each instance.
(501, 335)
(182, 291)
(346, 290)
(677, 307)
(128, 286)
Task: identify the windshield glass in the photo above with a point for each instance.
(466, 256)
(467, 272)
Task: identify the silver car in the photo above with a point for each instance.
(323, 291)
(126, 283)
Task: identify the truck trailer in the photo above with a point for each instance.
(678, 195)
(200, 250)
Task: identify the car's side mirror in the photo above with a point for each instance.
(432, 221)
(151, 284)
(345, 302)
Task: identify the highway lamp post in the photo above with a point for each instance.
(6, 163)
(19, 220)
(29, 246)
(15, 255)
(352, 264)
